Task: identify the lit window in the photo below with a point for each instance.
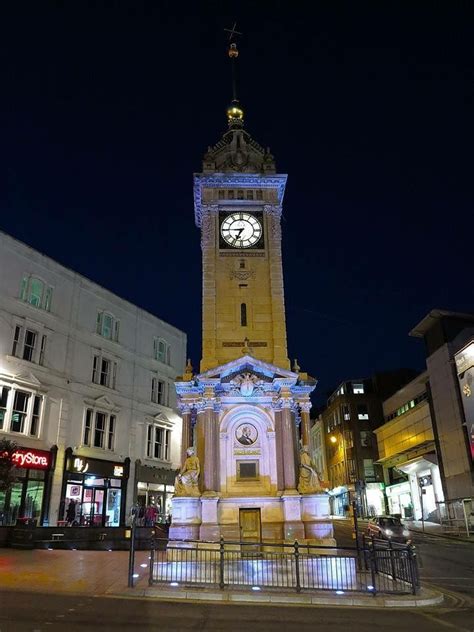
(35, 292)
(362, 412)
(99, 429)
(158, 442)
(104, 371)
(346, 412)
(357, 388)
(20, 411)
(108, 326)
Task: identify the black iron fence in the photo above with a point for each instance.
(372, 568)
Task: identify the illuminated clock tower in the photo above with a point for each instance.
(246, 414)
(238, 201)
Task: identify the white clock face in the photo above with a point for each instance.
(241, 230)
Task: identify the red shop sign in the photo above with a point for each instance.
(32, 459)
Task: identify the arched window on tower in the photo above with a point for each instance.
(243, 315)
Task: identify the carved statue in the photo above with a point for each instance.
(309, 481)
(187, 481)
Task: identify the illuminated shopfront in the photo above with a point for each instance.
(155, 489)
(28, 498)
(94, 492)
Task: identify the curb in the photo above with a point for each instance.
(427, 598)
(455, 538)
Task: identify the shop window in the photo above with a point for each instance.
(158, 389)
(108, 326)
(36, 292)
(358, 388)
(161, 350)
(362, 412)
(104, 371)
(158, 442)
(99, 429)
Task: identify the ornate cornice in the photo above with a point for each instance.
(234, 180)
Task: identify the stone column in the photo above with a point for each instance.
(279, 447)
(210, 449)
(201, 439)
(186, 433)
(305, 423)
(288, 439)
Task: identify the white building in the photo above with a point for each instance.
(86, 391)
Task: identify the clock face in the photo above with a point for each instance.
(241, 230)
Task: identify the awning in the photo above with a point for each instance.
(419, 463)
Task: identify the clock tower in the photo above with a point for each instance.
(246, 472)
(238, 200)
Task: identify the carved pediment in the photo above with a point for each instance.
(28, 378)
(105, 402)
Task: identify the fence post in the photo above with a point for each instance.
(372, 568)
(297, 556)
(392, 560)
(412, 563)
(152, 559)
(221, 563)
(131, 555)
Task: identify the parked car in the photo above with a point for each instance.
(388, 528)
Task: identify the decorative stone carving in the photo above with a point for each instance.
(246, 382)
(187, 481)
(309, 482)
(242, 275)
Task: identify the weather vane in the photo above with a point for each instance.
(232, 32)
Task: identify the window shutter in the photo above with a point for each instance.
(116, 330)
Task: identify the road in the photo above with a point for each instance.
(33, 612)
(444, 563)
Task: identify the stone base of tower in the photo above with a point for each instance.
(278, 519)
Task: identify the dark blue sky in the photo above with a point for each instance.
(106, 113)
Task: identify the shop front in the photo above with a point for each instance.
(375, 500)
(400, 500)
(94, 492)
(27, 501)
(340, 501)
(154, 491)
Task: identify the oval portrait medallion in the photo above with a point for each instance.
(246, 434)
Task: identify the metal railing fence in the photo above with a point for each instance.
(294, 566)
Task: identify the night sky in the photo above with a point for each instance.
(108, 107)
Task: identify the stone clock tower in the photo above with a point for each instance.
(238, 201)
(246, 414)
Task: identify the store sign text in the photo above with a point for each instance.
(31, 459)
